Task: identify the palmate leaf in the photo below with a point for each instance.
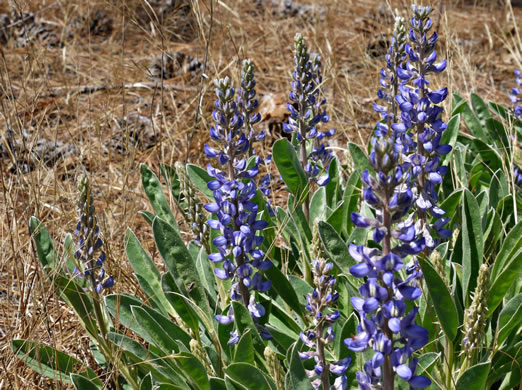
(474, 377)
(50, 362)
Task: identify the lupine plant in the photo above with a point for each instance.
(300, 296)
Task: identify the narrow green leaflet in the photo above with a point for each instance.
(296, 377)
(318, 205)
(180, 263)
(360, 158)
(472, 245)
(146, 272)
(442, 300)
(510, 318)
(284, 289)
(194, 369)
(50, 362)
(82, 383)
(243, 322)
(332, 188)
(249, 376)
(504, 280)
(474, 377)
(480, 108)
(449, 136)
(335, 247)
(156, 334)
(200, 179)
(154, 192)
(290, 168)
(245, 349)
(44, 244)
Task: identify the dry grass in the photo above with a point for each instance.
(43, 94)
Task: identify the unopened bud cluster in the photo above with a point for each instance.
(475, 315)
(194, 214)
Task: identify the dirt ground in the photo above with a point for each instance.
(101, 86)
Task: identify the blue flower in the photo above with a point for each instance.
(307, 113)
(238, 241)
(319, 305)
(89, 252)
(515, 95)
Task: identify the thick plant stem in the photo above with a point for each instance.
(325, 380)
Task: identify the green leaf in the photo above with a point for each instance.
(244, 321)
(498, 133)
(442, 300)
(360, 159)
(146, 272)
(474, 377)
(504, 280)
(426, 362)
(352, 192)
(179, 262)
(245, 349)
(473, 123)
(480, 108)
(296, 377)
(82, 383)
(146, 382)
(182, 307)
(318, 205)
(490, 157)
(155, 333)
(290, 168)
(50, 362)
(154, 192)
(472, 245)
(147, 215)
(284, 289)
(200, 179)
(79, 300)
(512, 243)
(449, 136)
(44, 244)
(457, 105)
(332, 188)
(335, 247)
(510, 318)
(248, 375)
(194, 369)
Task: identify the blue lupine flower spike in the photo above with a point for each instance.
(387, 322)
(320, 305)
(90, 254)
(422, 113)
(307, 113)
(248, 104)
(236, 215)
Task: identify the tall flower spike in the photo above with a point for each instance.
(386, 324)
(90, 253)
(476, 314)
(233, 190)
(422, 113)
(319, 305)
(248, 104)
(307, 112)
(194, 214)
